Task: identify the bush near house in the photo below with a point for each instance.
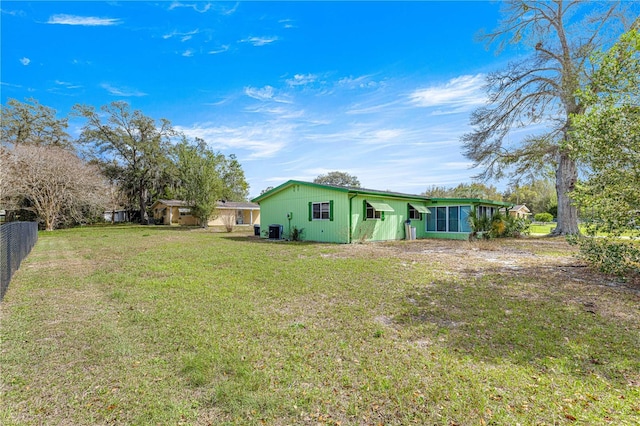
(543, 217)
(497, 226)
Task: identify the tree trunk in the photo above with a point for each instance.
(566, 176)
(142, 198)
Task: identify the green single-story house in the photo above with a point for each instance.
(327, 213)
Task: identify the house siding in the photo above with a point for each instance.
(249, 217)
(295, 199)
(348, 214)
(389, 228)
(348, 221)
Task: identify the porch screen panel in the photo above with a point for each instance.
(431, 222)
(464, 218)
(453, 219)
(441, 219)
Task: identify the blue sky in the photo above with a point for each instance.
(381, 90)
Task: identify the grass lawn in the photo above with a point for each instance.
(541, 229)
(158, 325)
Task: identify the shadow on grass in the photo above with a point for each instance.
(134, 226)
(528, 321)
(245, 238)
(255, 239)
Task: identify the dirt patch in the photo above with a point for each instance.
(550, 258)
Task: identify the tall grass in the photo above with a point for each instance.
(158, 325)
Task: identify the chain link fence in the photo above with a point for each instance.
(16, 241)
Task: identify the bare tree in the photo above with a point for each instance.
(541, 89)
(54, 183)
(7, 199)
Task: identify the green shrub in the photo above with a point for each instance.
(609, 255)
(543, 217)
(497, 226)
(516, 227)
(296, 234)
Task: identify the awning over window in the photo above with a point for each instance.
(421, 209)
(380, 207)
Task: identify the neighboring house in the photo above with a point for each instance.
(237, 213)
(520, 211)
(116, 216)
(172, 212)
(344, 215)
(177, 212)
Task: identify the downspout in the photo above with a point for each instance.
(351, 197)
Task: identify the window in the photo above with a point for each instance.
(415, 211)
(321, 211)
(465, 226)
(454, 220)
(449, 219)
(441, 219)
(373, 213)
(484, 211)
(376, 209)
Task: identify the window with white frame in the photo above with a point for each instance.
(413, 213)
(449, 219)
(321, 211)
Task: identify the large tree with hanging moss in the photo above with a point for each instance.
(539, 91)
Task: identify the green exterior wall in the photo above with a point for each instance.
(432, 204)
(295, 199)
(289, 205)
(391, 226)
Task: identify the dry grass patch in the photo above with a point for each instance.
(158, 325)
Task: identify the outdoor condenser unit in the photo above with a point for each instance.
(275, 232)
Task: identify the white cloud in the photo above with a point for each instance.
(264, 94)
(259, 41)
(67, 85)
(25, 61)
(302, 80)
(230, 11)
(183, 36)
(222, 49)
(277, 112)
(267, 93)
(121, 91)
(222, 8)
(362, 82)
(2, 83)
(194, 6)
(187, 53)
(458, 165)
(13, 12)
(465, 91)
(378, 108)
(88, 21)
(287, 23)
(262, 140)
